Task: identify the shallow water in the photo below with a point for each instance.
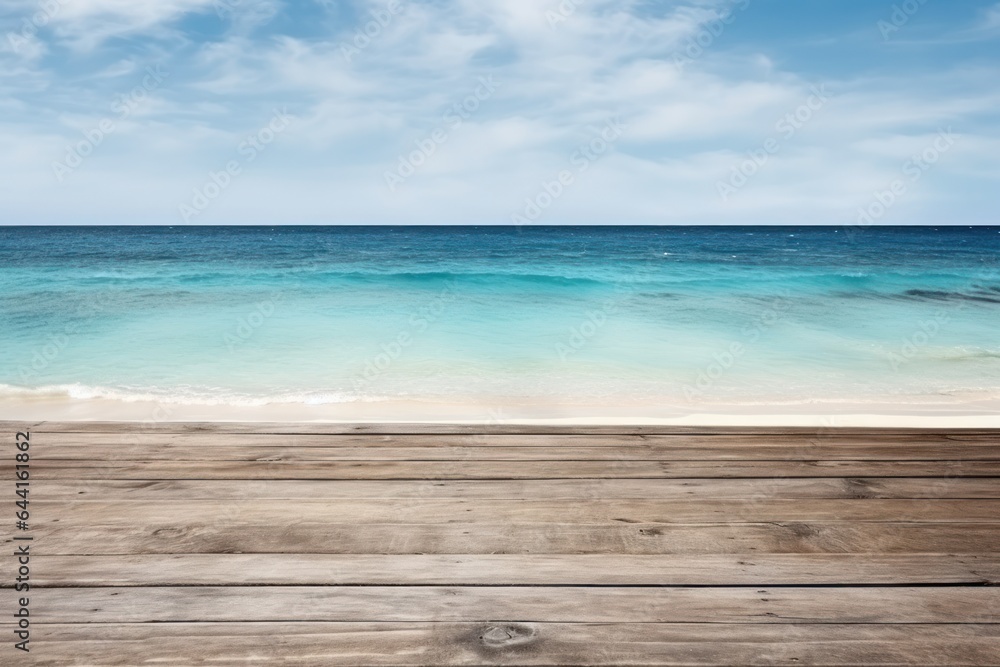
(249, 316)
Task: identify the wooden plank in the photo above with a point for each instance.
(955, 451)
(666, 489)
(234, 535)
(568, 438)
(323, 644)
(486, 426)
(515, 570)
(152, 470)
(451, 510)
(838, 604)
(420, 644)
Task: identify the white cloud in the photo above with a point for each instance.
(86, 24)
(991, 18)
(686, 127)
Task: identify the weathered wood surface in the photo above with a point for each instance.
(424, 544)
(584, 511)
(515, 643)
(938, 472)
(978, 451)
(231, 535)
(517, 570)
(554, 604)
(666, 489)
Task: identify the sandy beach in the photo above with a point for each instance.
(954, 415)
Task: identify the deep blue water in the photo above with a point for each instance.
(333, 314)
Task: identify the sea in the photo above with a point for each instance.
(599, 316)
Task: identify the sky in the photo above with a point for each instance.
(174, 112)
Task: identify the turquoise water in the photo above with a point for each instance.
(249, 316)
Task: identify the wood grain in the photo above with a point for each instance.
(518, 643)
(549, 489)
(91, 469)
(232, 535)
(517, 570)
(577, 604)
(370, 512)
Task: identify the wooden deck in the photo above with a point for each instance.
(261, 544)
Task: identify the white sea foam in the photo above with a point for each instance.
(186, 396)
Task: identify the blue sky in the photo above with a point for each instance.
(499, 112)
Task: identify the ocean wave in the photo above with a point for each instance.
(846, 283)
(491, 278)
(292, 276)
(984, 295)
(961, 354)
(980, 295)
